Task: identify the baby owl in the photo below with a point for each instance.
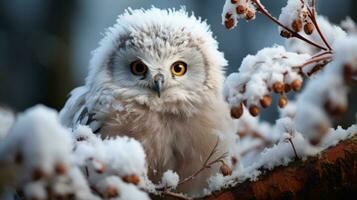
(157, 76)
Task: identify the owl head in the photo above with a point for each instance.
(165, 60)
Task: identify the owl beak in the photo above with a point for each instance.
(158, 81)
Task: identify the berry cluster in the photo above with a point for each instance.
(295, 15)
(48, 163)
(105, 161)
(238, 9)
(38, 151)
(270, 70)
(326, 96)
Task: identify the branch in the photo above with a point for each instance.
(333, 175)
(265, 12)
(312, 16)
(207, 164)
(326, 56)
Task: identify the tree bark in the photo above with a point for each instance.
(333, 175)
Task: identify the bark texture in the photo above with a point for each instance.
(333, 175)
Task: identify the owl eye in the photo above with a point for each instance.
(138, 68)
(178, 68)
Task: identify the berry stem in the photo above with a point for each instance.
(312, 16)
(293, 146)
(206, 164)
(265, 12)
(318, 58)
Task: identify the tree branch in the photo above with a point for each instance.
(312, 16)
(333, 175)
(265, 12)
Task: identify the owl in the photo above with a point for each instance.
(157, 76)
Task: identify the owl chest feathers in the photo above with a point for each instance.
(172, 141)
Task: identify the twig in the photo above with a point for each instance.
(312, 16)
(206, 164)
(325, 56)
(96, 191)
(265, 12)
(87, 171)
(320, 54)
(289, 139)
(292, 144)
(315, 59)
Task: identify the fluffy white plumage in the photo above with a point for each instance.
(178, 129)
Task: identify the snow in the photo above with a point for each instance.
(349, 25)
(304, 125)
(229, 9)
(39, 138)
(337, 135)
(77, 161)
(124, 156)
(331, 32)
(280, 154)
(43, 142)
(121, 155)
(215, 183)
(56, 157)
(294, 10)
(289, 110)
(346, 51)
(259, 72)
(170, 179)
(124, 191)
(333, 92)
(35, 190)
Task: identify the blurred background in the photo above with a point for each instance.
(45, 46)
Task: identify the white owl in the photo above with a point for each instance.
(157, 76)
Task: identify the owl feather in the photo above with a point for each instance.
(157, 76)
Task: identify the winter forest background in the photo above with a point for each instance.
(45, 45)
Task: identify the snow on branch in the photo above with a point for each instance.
(270, 70)
(48, 161)
(315, 49)
(326, 95)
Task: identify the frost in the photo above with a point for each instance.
(170, 179)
